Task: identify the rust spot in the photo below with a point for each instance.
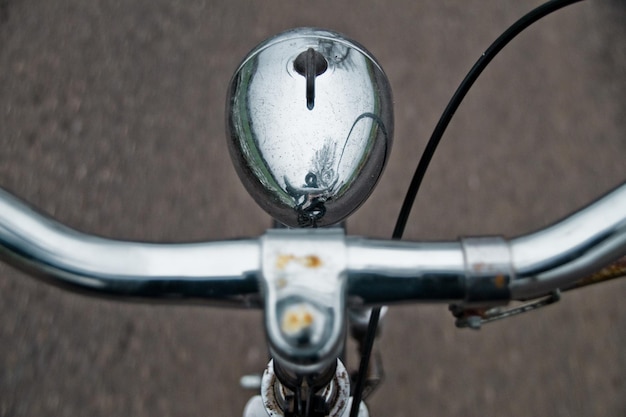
(283, 260)
(342, 405)
(500, 281)
(307, 319)
(312, 261)
(479, 267)
(480, 312)
(269, 405)
(296, 320)
(308, 261)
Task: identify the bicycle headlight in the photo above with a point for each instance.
(310, 126)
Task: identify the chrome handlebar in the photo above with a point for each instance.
(471, 270)
(223, 271)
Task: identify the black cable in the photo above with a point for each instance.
(458, 97)
(365, 361)
(508, 35)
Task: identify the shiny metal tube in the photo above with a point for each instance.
(377, 271)
(577, 246)
(552, 258)
(220, 271)
(391, 271)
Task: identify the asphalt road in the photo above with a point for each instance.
(112, 121)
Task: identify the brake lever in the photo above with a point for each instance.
(474, 318)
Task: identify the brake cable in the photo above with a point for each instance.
(515, 29)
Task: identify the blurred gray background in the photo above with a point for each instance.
(112, 121)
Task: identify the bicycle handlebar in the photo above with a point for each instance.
(377, 271)
(40, 245)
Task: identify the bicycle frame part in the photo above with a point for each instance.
(305, 317)
(303, 288)
(307, 278)
(329, 398)
(219, 271)
(376, 271)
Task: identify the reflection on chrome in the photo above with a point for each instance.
(376, 271)
(309, 158)
(322, 182)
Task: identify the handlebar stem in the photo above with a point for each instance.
(303, 284)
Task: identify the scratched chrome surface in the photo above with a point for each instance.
(310, 167)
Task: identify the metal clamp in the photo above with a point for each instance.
(303, 283)
(488, 268)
